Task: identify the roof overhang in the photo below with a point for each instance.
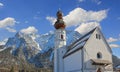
(100, 62)
(72, 51)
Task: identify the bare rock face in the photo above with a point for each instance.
(30, 53)
(7, 61)
(25, 52)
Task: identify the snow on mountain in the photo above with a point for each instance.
(3, 42)
(24, 43)
(40, 43)
(36, 48)
(46, 41)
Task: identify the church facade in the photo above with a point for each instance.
(90, 53)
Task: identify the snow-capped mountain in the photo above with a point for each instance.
(46, 41)
(25, 43)
(35, 49)
(3, 42)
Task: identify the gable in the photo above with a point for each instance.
(79, 44)
(99, 37)
(82, 41)
(97, 44)
(93, 48)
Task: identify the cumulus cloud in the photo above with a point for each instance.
(85, 20)
(1, 4)
(10, 29)
(114, 46)
(29, 30)
(79, 15)
(111, 39)
(51, 19)
(86, 27)
(7, 22)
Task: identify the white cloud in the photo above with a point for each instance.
(29, 30)
(85, 20)
(111, 39)
(10, 29)
(1, 4)
(51, 19)
(7, 22)
(86, 27)
(79, 15)
(114, 46)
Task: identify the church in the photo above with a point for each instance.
(90, 53)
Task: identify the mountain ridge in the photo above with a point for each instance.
(35, 50)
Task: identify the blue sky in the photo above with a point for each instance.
(38, 15)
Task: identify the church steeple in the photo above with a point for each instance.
(60, 41)
(59, 23)
(60, 33)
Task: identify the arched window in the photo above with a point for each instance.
(99, 55)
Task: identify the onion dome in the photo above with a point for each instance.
(59, 23)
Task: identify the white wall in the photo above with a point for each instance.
(92, 47)
(58, 41)
(73, 62)
(61, 52)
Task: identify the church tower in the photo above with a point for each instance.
(60, 38)
(60, 33)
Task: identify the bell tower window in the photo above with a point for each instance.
(61, 36)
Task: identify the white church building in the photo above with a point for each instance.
(90, 53)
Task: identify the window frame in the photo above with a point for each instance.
(98, 36)
(61, 36)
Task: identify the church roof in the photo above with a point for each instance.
(77, 45)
